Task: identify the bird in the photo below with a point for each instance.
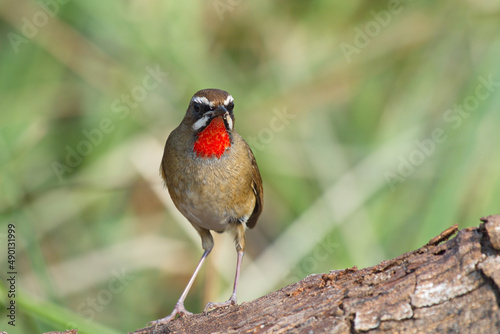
(213, 179)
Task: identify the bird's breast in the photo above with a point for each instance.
(210, 192)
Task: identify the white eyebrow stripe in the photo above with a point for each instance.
(228, 100)
(202, 100)
(201, 122)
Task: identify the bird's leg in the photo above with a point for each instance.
(240, 249)
(179, 306)
(232, 299)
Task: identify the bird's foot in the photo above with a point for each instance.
(211, 305)
(178, 309)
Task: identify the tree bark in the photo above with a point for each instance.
(447, 286)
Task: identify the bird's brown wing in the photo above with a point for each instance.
(257, 189)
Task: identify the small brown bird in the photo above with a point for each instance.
(213, 179)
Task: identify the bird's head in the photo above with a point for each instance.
(210, 116)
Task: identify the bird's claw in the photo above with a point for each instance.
(212, 305)
(178, 309)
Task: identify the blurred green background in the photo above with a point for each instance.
(374, 124)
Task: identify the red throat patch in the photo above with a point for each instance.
(213, 140)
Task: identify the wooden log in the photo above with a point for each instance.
(447, 286)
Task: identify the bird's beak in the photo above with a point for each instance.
(220, 111)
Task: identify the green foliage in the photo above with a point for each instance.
(374, 126)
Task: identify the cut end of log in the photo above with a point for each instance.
(492, 227)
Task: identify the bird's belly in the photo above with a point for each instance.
(205, 217)
(204, 208)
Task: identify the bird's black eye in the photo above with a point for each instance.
(197, 107)
(201, 108)
(230, 106)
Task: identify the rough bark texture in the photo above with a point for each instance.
(444, 287)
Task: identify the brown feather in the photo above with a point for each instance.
(257, 189)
